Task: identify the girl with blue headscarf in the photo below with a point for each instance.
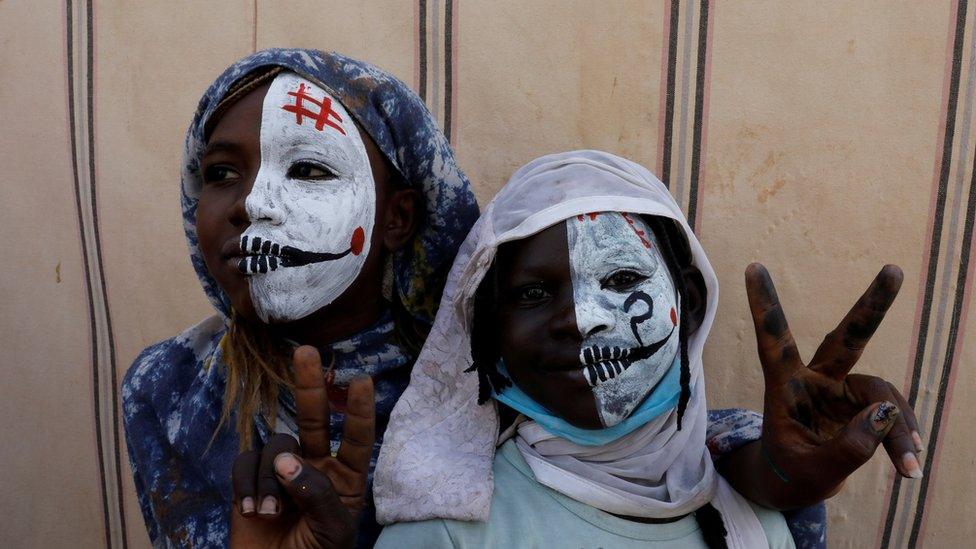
(328, 216)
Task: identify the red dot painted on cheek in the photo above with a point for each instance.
(358, 239)
(674, 316)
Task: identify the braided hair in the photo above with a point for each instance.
(677, 256)
(484, 337)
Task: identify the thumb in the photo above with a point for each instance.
(327, 517)
(854, 445)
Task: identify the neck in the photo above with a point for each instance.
(646, 520)
(335, 322)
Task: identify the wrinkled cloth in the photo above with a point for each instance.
(731, 428)
(520, 504)
(437, 457)
(173, 393)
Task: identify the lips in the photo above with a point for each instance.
(261, 255)
(601, 364)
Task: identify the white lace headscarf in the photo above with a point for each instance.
(436, 461)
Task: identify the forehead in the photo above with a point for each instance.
(545, 250)
(609, 235)
(242, 119)
(613, 231)
(303, 107)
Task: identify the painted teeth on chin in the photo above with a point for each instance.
(603, 371)
(256, 264)
(267, 261)
(594, 354)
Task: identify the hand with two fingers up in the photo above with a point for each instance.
(296, 493)
(822, 422)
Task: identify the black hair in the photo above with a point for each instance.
(484, 340)
(712, 526)
(677, 255)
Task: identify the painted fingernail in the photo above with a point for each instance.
(910, 463)
(883, 416)
(917, 439)
(269, 505)
(247, 505)
(287, 466)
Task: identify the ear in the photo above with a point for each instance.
(400, 216)
(697, 297)
(399, 208)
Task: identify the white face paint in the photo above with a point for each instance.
(626, 309)
(312, 205)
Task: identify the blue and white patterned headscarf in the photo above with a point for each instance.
(173, 394)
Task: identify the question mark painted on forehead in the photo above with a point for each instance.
(635, 320)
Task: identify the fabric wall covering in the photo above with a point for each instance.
(824, 139)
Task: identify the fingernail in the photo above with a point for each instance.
(883, 416)
(269, 505)
(247, 505)
(287, 466)
(910, 463)
(917, 439)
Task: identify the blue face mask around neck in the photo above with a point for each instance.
(663, 398)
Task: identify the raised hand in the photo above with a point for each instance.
(295, 493)
(820, 422)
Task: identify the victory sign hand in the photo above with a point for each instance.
(295, 493)
(822, 422)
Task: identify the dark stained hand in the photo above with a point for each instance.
(295, 493)
(822, 422)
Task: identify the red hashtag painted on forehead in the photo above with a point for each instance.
(322, 118)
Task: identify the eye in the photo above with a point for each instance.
(531, 295)
(309, 171)
(219, 174)
(622, 280)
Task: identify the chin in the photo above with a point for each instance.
(591, 424)
(580, 419)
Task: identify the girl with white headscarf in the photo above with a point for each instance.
(554, 483)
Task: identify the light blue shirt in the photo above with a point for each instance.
(524, 513)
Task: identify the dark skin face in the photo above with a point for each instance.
(230, 164)
(537, 331)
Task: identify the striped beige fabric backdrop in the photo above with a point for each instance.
(824, 139)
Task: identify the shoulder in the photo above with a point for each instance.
(774, 525)
(170, 364)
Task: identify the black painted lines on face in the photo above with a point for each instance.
(601, 364)
(263, 255)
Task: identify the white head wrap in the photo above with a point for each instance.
(436, 460)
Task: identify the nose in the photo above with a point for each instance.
(592, 316)
(264, 202)
(237, 214)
